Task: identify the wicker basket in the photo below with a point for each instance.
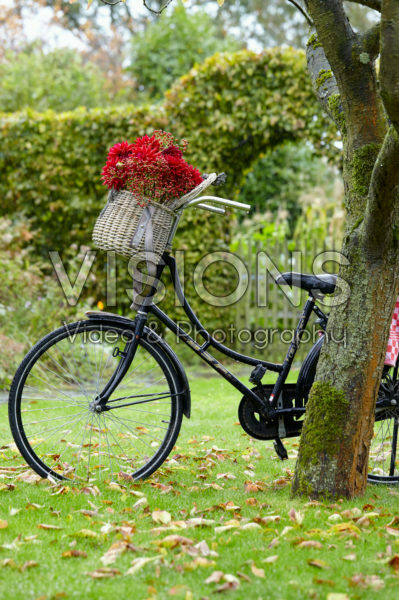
(131, 230)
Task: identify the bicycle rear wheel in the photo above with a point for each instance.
(384, 455)
(52, 419)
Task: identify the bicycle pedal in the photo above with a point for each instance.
(280, 449)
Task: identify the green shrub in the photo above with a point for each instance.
(59, 80)
(31, 301)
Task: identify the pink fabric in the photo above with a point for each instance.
(393, 342)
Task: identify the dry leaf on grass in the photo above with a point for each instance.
(320, 564)
(310, 544)
(3, 524)
(116, 550)
(85, 533)
(227, 587)
(74, 554)
(103, 573)
(215, 577)
(270, 559)
(140, 562)
(172, 541)
(29, 564)
(295, 516)
(48, 527)
(257, 572)
(394, 562)
(367, 581)
(161, 516)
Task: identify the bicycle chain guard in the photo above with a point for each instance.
(268, 429)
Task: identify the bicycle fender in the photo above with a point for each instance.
(309, 365)
(153, 338)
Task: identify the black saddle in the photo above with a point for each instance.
(319, 284)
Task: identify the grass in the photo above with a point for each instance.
(213, 463)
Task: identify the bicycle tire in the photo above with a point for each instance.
(125, 444)
(383, 456)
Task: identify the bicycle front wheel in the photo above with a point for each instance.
(51, 413)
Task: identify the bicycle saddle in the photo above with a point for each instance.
(324, 284)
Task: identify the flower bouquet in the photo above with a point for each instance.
(148, 181)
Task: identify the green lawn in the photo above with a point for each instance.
(220, 488)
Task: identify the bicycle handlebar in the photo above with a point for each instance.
(224, 201)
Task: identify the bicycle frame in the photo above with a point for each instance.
(266, 408)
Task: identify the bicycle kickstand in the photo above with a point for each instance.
(280, 449)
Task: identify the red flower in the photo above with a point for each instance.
(113, 174)
(120, 151)
(152, 168)
(146, 148)
(173, 151)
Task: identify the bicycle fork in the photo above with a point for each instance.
(99, 404)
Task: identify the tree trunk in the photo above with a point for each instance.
(334, 447)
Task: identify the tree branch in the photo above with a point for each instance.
(371, 40)
(157, 12)
(301, 10)
(354, 72)
(383, 195)
(389, 71)
(374, 4)
(323, 79)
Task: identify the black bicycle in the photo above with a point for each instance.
(106, 396)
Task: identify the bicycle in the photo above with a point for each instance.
(106, 395)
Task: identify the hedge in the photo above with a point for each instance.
(231, 108)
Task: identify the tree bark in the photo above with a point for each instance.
(335, 441)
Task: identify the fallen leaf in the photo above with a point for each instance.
(161, 516)
(250, 486)
(268, 519)
(85, 533)
(320, 564)
(215, 577)
(116, 550)
(251, 501)
(8, 562)
(394, 562)
(296, 517)
(334, 518)
(50, 527)
(28, 565)
(320, 581)
(139, 563)
(270, 559)
(392, 531)
(310, 544)
(3, 524)
(338, 596)
(172, 541)
(345, 529)
(74, 554)
(349, 557)
(257, 572)
(251, 526)
(103, 573)
(373, 581)
(353, 513)
(229, 585)
(29, 477)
